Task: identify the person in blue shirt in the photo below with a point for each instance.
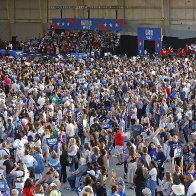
(121, 188)
(160, 159)
(153, 151)
(114, 191)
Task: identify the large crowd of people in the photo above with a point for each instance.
(66, 42)
(63, 114)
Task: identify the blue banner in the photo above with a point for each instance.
(52, 141)
(21, 54)
(88, 24)
(151, 34)
(14, 53)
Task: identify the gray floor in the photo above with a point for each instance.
(120, 173)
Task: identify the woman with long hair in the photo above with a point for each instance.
(167, 184)
(132, 165)
(64, 160)
(29, 187)
(152, 182)
(190, 170)
(140, 177)
(20, 173)
(40, 160)
(45, 148)
(72, 152)
(54, 161)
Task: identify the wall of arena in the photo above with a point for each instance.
(31, 18)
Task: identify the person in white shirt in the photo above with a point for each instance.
(30, 162)
(21, 173)
(72, 152)
(192, 189)
(152, 182)
(19, 146)
(70, 128)
(41, 101)
(4, 151)
(15, 87)
(60, 115)
(31, 115)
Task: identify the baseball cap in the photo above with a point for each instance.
(121, 183)
(91, 172)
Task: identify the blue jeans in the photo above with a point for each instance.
(10, 180)
(152, 185)
(72, 164)
(72, 180)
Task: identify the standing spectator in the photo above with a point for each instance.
(20, 173)
(176, 150)
(132, 165)
(167, 184)
(119, 144)
(152, 182)
(72, 152)
(7, 83)
(54, 161)
(30, 163)
(64, 160)
(39, 168)
(114, 190)
(192, 189)
(29, 187)
(140, 177)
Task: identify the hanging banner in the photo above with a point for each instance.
(151, 34)
(88, 24)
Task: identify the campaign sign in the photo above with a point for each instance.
(52, 141)
(88, 24)
(151, 34)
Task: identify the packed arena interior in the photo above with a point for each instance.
(78, 117)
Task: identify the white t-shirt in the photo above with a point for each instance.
(153, 174)
(74, 151)
(4, 152)
(21, 178)
(192, 188)
(41, 130)
(70, 130)
(38, 143)
(41, 101)
(29, 161)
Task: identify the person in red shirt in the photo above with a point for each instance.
(119, 140)
(164, 53)
(184, 53)
(167, 90)
(29, 187)
(7, 83)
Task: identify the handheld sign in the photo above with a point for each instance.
(52, 141)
